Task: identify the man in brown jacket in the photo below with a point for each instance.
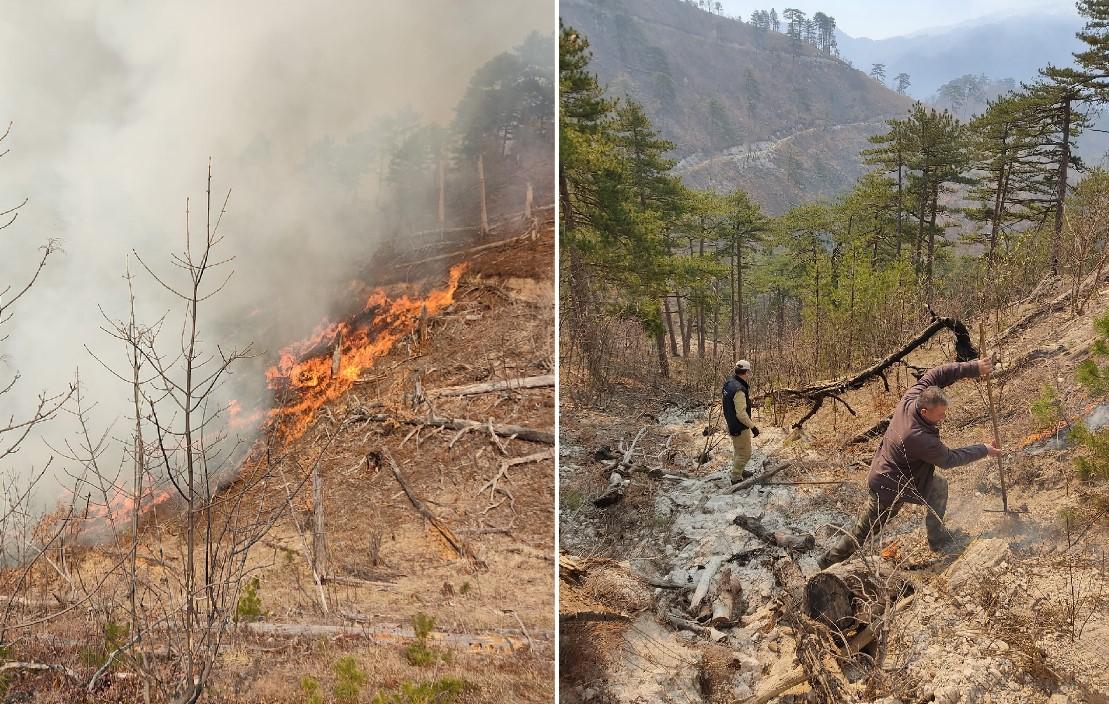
(903, 468)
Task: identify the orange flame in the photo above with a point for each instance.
(310, 382)
(892, 551)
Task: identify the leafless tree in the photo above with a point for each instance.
(25, 541)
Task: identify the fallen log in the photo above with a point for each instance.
(467, 253)
(816, 393)
(527, 382)
(811, 651)
(504, 431)
(770, 691)
(747, 483)
(875, 431)
(387, 633)
(703, 585)
(849, 595)
(725, 602)
(781, 538)
(458, 544)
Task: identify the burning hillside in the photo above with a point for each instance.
(324, 365)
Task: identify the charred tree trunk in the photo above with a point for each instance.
(848, 596)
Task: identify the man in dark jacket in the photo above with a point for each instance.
(737, 412)
(903, 468)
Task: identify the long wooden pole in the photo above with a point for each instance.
(481, 186)
(993, 421)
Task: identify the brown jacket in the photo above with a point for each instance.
(911, 448)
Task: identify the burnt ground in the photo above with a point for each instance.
(1017, 611)
(387, 562)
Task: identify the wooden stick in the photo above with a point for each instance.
(460, 546)
(993, 420)
(747, 483)
(527, 382)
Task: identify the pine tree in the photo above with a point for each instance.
(902, 82)
(826, 32)
(1053, 112)
(1013, 186)
(584, 115)
(878, 73)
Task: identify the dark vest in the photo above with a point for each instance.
(731, 386)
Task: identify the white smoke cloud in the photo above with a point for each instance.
(117, 107)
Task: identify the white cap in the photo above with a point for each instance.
(743, 366)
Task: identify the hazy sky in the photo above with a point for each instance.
(878, 19)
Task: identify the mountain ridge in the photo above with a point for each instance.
(713, 86)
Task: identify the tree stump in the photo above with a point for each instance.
(851, 594)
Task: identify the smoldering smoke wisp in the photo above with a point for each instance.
(116, 110)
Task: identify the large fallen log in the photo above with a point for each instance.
(849, 595)
(815, 394)
(458, 544)
(816, 664)
(527, 382)
(781, 538)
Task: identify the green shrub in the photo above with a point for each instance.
(349, 678)
(571, 499)
(441, 691)
(1096, 378)
(249, 607)
(313, 693)
(1045, 408)
(1093, 460)
(112, 636)
(418, 653)
(465, 588)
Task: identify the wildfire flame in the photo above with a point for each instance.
(304, 378)
(302, 381)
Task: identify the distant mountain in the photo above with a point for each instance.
(962, 66)
(1003, 47)
(743, 108)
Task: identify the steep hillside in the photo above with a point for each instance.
(1015, 610)
(742, 108)
(425, 575)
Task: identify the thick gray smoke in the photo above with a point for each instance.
(118, 106)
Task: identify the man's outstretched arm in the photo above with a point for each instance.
(948, 374)
(935, 453)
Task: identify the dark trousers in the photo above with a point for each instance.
(874, 516)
